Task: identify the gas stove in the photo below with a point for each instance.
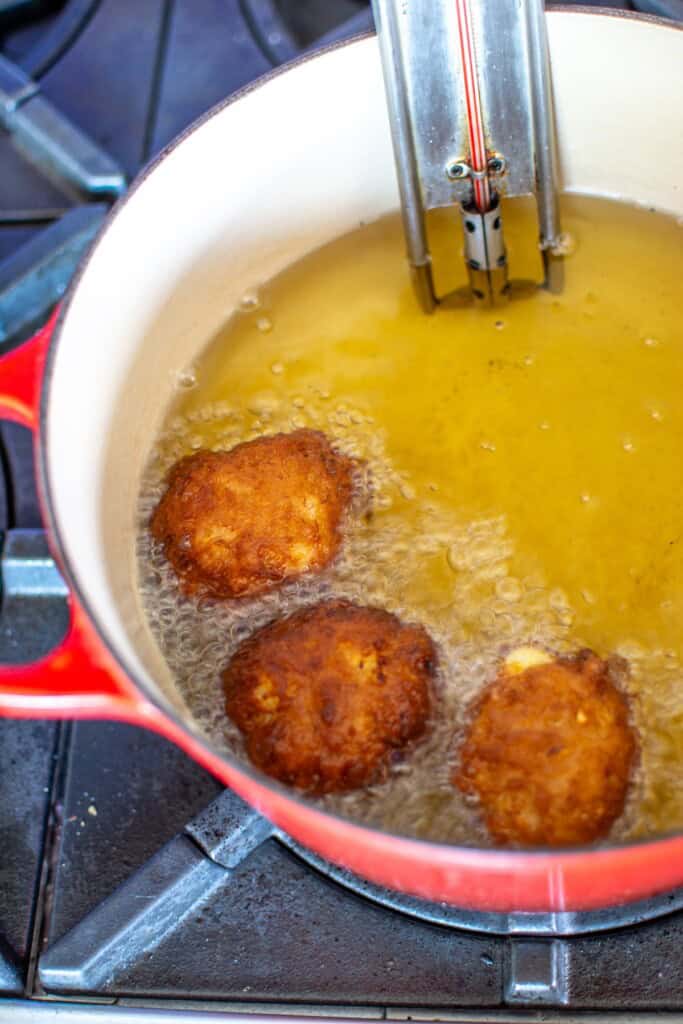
(132, 886)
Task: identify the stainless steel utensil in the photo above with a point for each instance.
(470, 103)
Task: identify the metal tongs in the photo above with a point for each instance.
(470, 104)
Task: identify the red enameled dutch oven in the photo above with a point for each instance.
(300, 157)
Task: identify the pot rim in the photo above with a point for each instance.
(493, 856)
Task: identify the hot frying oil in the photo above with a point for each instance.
(523, 466)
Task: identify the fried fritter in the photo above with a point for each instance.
(325, 697)
(549, 751)
(238, 523)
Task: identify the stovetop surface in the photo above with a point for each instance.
(127, 875)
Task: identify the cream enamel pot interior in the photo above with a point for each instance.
(299, 158)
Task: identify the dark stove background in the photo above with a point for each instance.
(198, 905)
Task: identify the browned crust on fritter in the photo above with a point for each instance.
(549, 753)
(238, 523)
(326, 696)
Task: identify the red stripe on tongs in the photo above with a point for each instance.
(475, 124)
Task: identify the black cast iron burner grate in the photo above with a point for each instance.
(197, 864)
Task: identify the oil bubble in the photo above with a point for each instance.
(264, 324)
(509, 589)
(249, 302)
(488, 619)
(277, 369)
(506, 624)
(558, 600)
(565, 246)
(262, 406)
(186, 379)
(630, 649)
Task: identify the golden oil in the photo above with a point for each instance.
(524, 465)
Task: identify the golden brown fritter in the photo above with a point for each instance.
(549, 751)
(240, 522)
(326, 696)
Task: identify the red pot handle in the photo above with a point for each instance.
(21, 372)
(79, 678)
